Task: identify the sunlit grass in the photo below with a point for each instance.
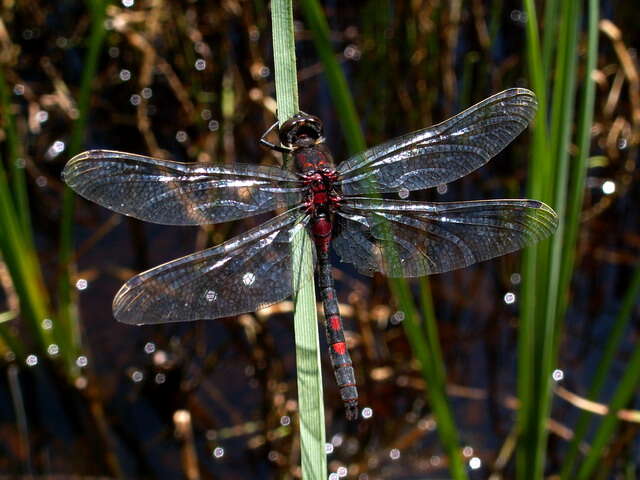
(16, 242)
(620, 398)
(309, 372)
(556, 177)
(67, 313)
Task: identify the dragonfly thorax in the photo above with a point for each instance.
(314, 158)
(322, 196)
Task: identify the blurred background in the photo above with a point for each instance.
(557, 335)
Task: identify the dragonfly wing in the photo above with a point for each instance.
(244, 274)
(174, 193)
(442, 153)
(410, 239)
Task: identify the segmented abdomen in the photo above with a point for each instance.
(338, 352)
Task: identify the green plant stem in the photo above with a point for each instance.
(539, 171)
(623, 394)
(284, 56)
(603, 370)
(494, 19)
(549, 174)
(67, 328)
(309, 373)
(561, 129)
(447, 430)
(342, 99)
(579, 170)
(16, 257)
(16, 164)
(308, 364)
(549, 37)
(580, 162)
(425, 346)
(16, 241)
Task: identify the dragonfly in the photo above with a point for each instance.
(341, 206)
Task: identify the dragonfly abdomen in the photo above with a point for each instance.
(338, 352)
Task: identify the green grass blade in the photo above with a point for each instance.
(549, 36)
(6, 316)
(424, 341)
(431, 329)
(580, 163)
(308, 365)
(16, 240)
(446, 424)
(561, 130)
(425, 346)
(342, 99)
(494, 19)
(573, 222)
(542, 268)
(22, 263)
(16, 244)
(16, 164)
(623, 394)
(527, 331)
(284, 56)
(578, 175)
(309, 373)
(67, 328)
(603, 369)
(537, 77)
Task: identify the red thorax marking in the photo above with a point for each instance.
(320, 189)
(320, 198)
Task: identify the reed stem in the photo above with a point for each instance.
(309, 373)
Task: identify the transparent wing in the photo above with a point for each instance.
(244, 274)
(442, 153)
(174, 193)
(410, 239)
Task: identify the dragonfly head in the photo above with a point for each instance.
(301, 130)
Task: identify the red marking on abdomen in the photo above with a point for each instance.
(322, 233)
(334, 322)
(340, 348)
(321, 227)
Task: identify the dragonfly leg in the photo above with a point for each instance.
(271, 145)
